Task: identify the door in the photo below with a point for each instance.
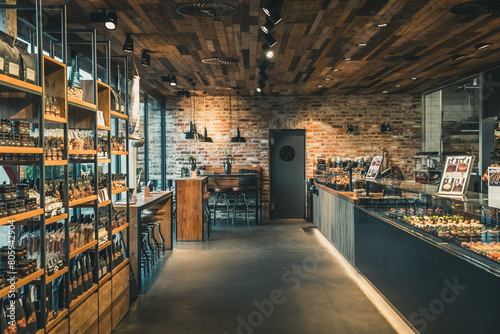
(288, 173)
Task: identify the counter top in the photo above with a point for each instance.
(347, 195)
(142, 202)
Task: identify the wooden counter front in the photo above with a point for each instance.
(190, 203)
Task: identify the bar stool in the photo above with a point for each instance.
(145, 259)
(206, 210)
(221, 192)
(240, 193)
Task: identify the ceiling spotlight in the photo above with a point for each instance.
(385, 92)
(272, 6)
(481, 46)
(348, 59)
(397, 86)
(170, 79)
(381, 25)
(275, 17)
(319, 86)
(267, 27)
(414, 78)
(145, 59)
(337, 70)
(263, 75)
(268, 52)
(327, 79)
(269, 39)
(457, 57)
(259, 90)
(361, 45)
(129, 44)
(111, 21)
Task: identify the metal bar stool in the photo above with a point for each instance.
(240, 193)
(221, 192)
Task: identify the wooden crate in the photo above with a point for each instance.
(84, 320)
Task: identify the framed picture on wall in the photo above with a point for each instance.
(456, 175)
(374, 169)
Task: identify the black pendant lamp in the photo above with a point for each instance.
(238, 138)
(192, 132)
(206, 138)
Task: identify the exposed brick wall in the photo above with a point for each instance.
(324, 118)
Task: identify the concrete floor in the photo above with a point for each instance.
(272, 278)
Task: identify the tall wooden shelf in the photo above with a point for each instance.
(25, 101)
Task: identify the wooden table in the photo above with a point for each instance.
(156, 201)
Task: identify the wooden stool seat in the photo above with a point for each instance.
(219, 189)
(243, 188)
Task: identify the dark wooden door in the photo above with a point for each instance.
(287, 173)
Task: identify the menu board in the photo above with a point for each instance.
(456, 175)
(494, 186)
(374, 167)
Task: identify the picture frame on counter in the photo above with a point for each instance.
(456, 175)
(374, 169)
(494, 186)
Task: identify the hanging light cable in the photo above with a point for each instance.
(190, 133)
(197, 135)
(206, 138)
(238, 138)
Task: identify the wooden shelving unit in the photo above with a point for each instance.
(27, 102)
(119, 153)
(22, 282)
(120, 266)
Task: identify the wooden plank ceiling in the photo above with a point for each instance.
(314, 38)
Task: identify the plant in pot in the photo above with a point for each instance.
(191, 159)
(228, 163)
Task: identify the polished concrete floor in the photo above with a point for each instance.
(273, 278)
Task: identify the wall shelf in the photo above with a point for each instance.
(119, 153)
(55, 219)
(103, 161)
(120, 266)
(103, 246)
(61, 314)
(116, 114)
(104, 279)
(21, 216)
(82, 201)
(10, 84)
(21, 150)
(22, 282)
(119, 229)
(100, 205)
(119, 191)
(75, 303)
(56, 162)
(57, 274)
(82, 152)
(54, 119)
(82, 105)
(82, 249)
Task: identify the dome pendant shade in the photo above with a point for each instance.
(206, 138)
(197, 135)
(238, 138)
(191, 133)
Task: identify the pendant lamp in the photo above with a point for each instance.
(206, 138)
(238, 138)
(192, 132)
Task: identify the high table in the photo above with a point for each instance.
(155, 201)
(258, 188)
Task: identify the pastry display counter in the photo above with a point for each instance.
(413, 244)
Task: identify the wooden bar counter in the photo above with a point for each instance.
(156, 201)
(191, 200)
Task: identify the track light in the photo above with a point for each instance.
(170, 79)
(275, 18)
(111, 21)
(261, 93)
(261, 83)
(267, 27)
(482, 46)
(350, 129)
(129, 44)
(269, 39)
(263, 75)
(272, 6)
(457, 57)
(145, 59)
(268, 52)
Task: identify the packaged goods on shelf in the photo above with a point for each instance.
(102, 194)
(27, 62)
(80, 140)
(81, 231)
(117, 100)
(100, 118)
(16, 199)
(11, 56)
(117, 256)
(22, 263)
(53, 106)
(102, 146)
(81, 275)
(118, 218)
(81, 188)
(118, 144)
(54, 144)
(118, 181)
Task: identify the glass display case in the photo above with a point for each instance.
(466, 226)
(338, 179)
